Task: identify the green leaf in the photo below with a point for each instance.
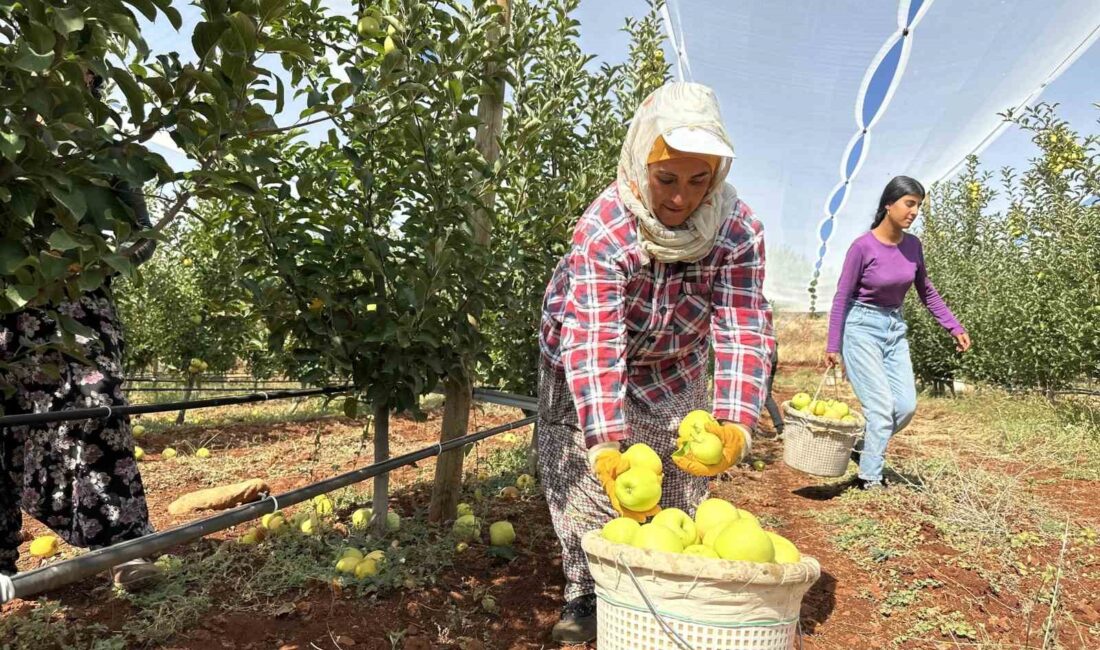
(20, 294)
(71, 199)
(290, 46)
(12, 256)
(351, 407)
(118, 263)
(206, 36)
(61, 240)
(173, 17)
(69, 324)
(245, 28)
(31, 61)
(67, 20)
(90, 280)
(135, 96)
(11, 144)
(456, 89)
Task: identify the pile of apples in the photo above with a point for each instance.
(720, 530)
(830, 409)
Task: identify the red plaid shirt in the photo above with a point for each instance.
(617, 322)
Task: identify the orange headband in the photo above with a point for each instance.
(661, 151)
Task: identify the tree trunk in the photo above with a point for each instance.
(458, 390)
(381, 501)
(186, 397)
(458, 394)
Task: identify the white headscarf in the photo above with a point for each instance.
(674, 106)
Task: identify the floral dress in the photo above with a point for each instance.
(78, 477)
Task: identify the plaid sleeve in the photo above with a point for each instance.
(741, 325)
(594, 337)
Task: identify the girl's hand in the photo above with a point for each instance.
(832, 359)
(962, 342)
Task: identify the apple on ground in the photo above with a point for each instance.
(501, 533)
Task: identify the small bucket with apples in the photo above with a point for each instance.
(819, 434)
(718, 580)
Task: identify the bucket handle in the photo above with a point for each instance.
(665, 627)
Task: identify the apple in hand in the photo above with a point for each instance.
(642, 455)
(638, 489)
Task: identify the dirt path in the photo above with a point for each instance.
(892, 577)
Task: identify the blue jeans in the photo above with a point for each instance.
(876, 358)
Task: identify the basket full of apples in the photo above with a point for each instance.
(717, 580)
(819, 435)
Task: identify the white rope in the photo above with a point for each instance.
(275, 501)
(7, 589)
(264, 394)
(108, 411)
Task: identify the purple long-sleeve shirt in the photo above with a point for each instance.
(880, 274)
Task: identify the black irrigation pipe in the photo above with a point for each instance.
(58, 575)
(135, 409)
(210, 380)
(527, 404)
(193, 389)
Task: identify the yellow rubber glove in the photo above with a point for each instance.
(608, 464)
(736, 444)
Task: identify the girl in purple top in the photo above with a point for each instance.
(866, 326)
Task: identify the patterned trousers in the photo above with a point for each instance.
(576, 499)
(77, 477)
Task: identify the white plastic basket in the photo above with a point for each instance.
(816, 445)
(650, 600)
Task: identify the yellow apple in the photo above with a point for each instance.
(273, 522)
(836, 411)
(203, 452)
(744, 540)
(819, 407)
(501, 533)
(467, 528)
(712, 534)
(510, 493)
(642, 455)
(621, 530)
(712, 513)
(361, 518)
(139, 453)
(347, 564)
(694, 423)
(638, 489)
(525, 482)
(45, 546)
(707, 448)
(353, 553)
(365, 568)
(311, 525)
(745, 514)
(465, 509)
(800, 401)
(657, 538)
(678, 522)
(138, 431)
(785, 551)
(322, 505)
(849, 419)
(393, 521)
(168, 453)
(700, 550)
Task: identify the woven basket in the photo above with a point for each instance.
(646, 598)
(816, 445)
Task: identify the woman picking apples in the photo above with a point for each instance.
(665, 263)
(867, 328)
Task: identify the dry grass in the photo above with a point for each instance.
(801, 338)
